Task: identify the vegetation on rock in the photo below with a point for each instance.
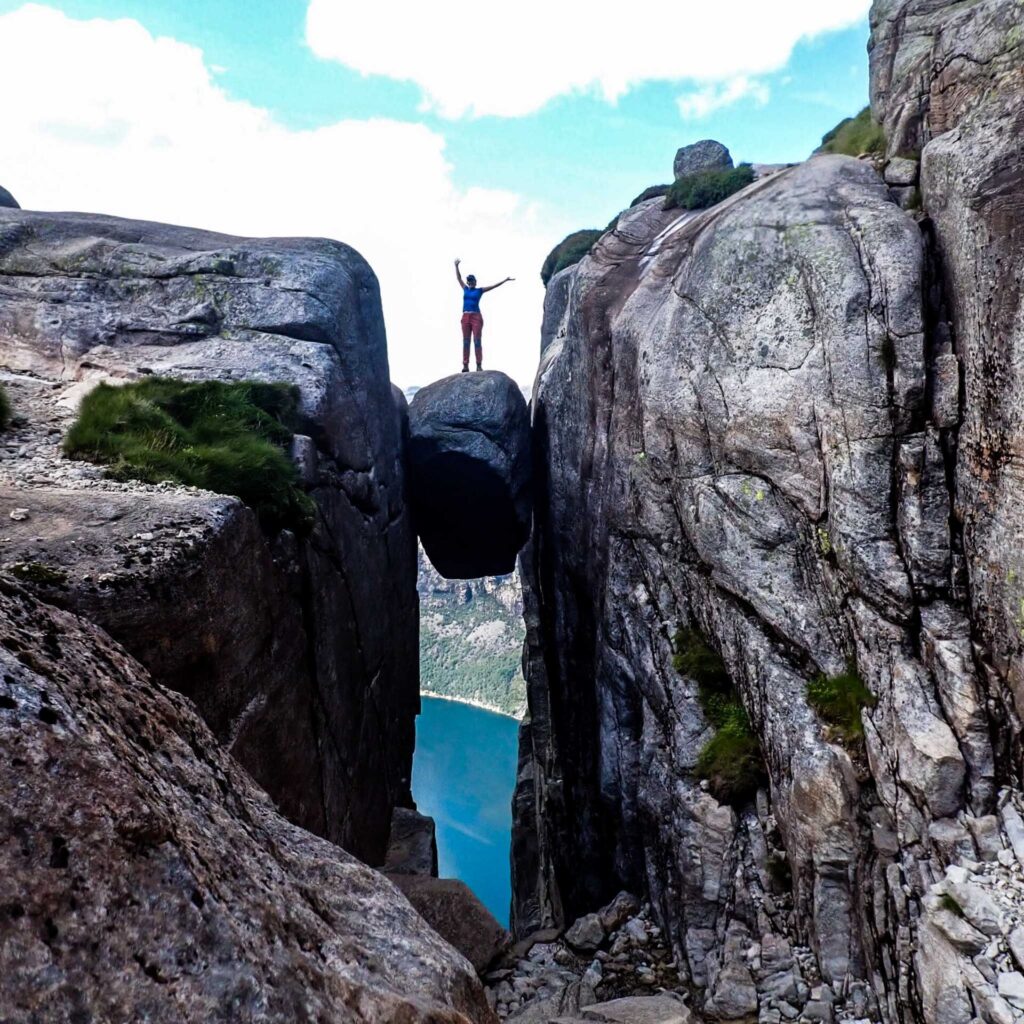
(839, 700)
(705, 188)
(5, 409)
(570, 250)
(653, 192)
(950, 905)
(854, 136)
(223, 437)
(731, 761)
(694, 658)
(37, 572)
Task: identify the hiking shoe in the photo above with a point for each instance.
(479, 367)
(465, 369)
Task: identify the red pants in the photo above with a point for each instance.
(472, 324)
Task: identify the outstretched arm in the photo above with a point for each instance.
(458, 274)
(491, 287)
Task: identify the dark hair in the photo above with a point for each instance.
(471, 277)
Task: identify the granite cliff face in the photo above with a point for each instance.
(300, 653)
(789, 424)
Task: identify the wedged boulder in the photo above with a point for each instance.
(470, 473)
(143, 876)
(7, 200)
(300, 652)
(412, 848)
(453, 911)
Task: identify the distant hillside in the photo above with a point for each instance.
(471, 639)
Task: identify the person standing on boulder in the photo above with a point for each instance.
(472, 320)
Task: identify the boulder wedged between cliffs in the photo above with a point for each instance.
(470, 473)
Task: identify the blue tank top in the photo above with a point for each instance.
(471, 300)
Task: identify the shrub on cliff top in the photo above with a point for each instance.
(569, 251)
(223, 437)
(854, 136)
(705, 188)
(839, 700)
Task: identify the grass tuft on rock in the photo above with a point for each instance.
(694, 658)
(568, 252)
(706, 188)
(839, 701)
(38, 572)
(855, 136)
(731, 761)
(5, 409)
(223, 437)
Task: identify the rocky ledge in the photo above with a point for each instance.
(300, 652)
(176, 891)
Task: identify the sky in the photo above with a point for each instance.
(415, 131)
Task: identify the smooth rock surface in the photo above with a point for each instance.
(470, 473)
(300, 653)
(143, 876)
(639, 1010)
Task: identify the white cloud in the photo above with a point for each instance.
(493, 59)
(706, 100)
(104, 117)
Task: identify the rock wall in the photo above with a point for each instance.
(301, 653)
(173, 891)
(750, 421)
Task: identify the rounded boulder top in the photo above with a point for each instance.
(469, 470)
(706, 155)
(7, 200)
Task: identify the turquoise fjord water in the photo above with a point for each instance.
(463, 774)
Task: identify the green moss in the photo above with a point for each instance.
(946, 902)
(37, 572)
(694, 658)
(5, 409)
(569, 251)
(731, 760)
(839, 700)
(705, 188)
(223, 437)
(854, 136)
